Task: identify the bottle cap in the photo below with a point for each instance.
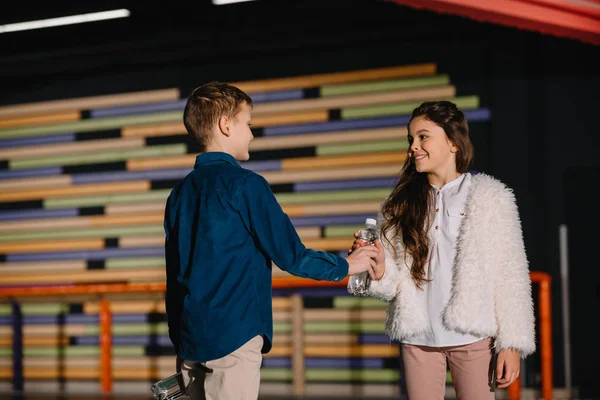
(371, 221)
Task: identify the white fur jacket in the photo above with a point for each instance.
(491, 287)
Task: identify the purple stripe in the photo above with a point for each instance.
(31, 141)
(282, 95)
(175, 105)
(162, 341)
(87, 255)
(349, 184)
(329, 126)
(260, 166)
(318, 362)
(478, 115)
(481, 114)
(371, 338)
(172, 105)
(159, 174)
(313, 292)
(331, 220)
(29, 173)
(38, 214)
(84, 319)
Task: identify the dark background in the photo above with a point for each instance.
(543, 93)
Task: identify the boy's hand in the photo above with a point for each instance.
(379, 259)
(361, 260)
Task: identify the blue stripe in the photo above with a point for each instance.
(162, 341)
(162, 174)
(371, 338)
(370, 183)
(324, 220)
(31, 141)
(261, 166)
(481, 114)
(173, 105)
(314, 292)
(29, 173)
(158, 174)
(87, 255)
(85, 319)
(38, 214)
(282, 95)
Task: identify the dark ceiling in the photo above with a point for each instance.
(198, 31)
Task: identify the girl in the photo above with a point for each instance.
(452, 266)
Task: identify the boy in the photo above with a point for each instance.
(223, 229)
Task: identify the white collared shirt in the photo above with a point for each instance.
(448, 212)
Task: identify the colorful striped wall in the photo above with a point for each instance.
(83, 184)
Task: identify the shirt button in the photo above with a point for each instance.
(436, 227)
(437, 209)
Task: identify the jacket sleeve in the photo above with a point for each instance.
(512, 284)
(277, 238)
(386, 288)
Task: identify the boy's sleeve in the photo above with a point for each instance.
(277, 237)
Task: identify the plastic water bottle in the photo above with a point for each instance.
(358, 285)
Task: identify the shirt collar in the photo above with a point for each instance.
(215, 156)
(451, 184)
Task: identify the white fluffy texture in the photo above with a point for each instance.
(491, 287)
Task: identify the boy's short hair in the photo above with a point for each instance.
(209, 102)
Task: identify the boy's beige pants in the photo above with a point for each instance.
(233, 377)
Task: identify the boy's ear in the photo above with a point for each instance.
(224, 125)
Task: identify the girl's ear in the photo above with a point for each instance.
(453, 147)
(224, 126)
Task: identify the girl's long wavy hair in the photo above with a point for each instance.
(407, 210)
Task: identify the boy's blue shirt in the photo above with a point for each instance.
(223, 229)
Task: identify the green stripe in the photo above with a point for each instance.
(345, 327)
(341, 231)
(359, 148)
(344, 375)
(124, 263)
(90, 201)
(94, 232)
(339, 195)
(282, 327)
(99, 157)
(358, 302)
(384, 85)
(5, 310)
(44, 309)
(88, 125)
(465, 102)
(275, 374)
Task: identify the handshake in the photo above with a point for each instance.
(365, 258)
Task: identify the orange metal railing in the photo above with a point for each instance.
(106, 378)
(545, 326)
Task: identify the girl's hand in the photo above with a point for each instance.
(379, 259)
(508, 367)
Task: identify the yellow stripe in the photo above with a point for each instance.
(309, 81)
(31, 120)
(88, 190)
